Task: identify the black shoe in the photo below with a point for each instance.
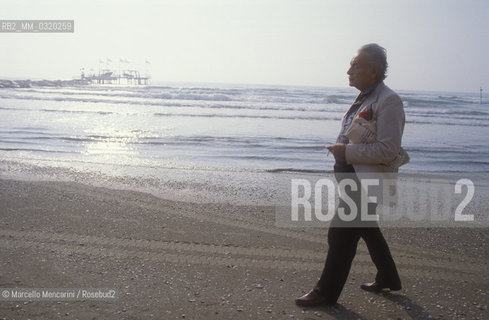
(312, 299)
(376, 286)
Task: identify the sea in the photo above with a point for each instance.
(225, 139)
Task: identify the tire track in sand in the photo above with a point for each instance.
(218, 255)
(246, 222)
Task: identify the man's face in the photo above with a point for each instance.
(361, 74)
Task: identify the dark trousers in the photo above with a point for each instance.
(343, 240)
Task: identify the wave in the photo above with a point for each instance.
(190, 93)
(209, 97)
(446, 112)
(468, 163)
(35, 150)
(77, 111)
(435, 116)
(298, 170)
(219, 107)
(145, 97)
(442, 117)
(242, 105)
(431, 100)
(312, 117)
(245, 116)
(258, 148)
(255, 94)
(22, 131)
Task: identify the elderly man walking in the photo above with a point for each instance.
(377, 103)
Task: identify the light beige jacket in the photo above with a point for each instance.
(388, 111)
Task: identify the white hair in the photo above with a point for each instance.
(377, 58)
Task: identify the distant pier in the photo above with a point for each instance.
(109, 77)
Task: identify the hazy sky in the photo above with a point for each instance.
(431, 44)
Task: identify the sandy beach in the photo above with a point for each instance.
(185, 159)
(182, 260)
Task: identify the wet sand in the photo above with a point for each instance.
(181, 260)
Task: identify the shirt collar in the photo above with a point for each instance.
(370, 89)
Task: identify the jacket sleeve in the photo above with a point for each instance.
(390, 125)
